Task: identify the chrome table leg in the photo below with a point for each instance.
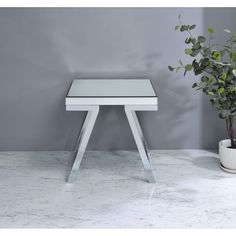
(83, 140)
(139, 139)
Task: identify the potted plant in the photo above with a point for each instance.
(215, 68)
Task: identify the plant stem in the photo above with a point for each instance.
(230, 130)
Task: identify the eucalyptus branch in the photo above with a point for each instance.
(217, 77)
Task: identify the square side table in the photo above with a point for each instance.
(89, 94)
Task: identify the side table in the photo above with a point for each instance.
(89, 94)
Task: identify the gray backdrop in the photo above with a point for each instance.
(42, 50)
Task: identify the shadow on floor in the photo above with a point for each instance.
(207, 162)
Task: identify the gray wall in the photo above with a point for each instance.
(42, 50)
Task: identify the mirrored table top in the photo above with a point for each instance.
(111, 88)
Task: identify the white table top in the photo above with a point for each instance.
(111, 88)
(111, 92)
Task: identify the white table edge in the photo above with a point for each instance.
(111, 101)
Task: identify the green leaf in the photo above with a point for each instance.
(205, 62)
(234, 36)
(220, 90)
(210, 93)
(188, 40)
(223, 76)
(232, 88)
(183, 28)
(195, 53)
(234, 72)
(210, 30)
(181, 63)
(221, 116)
(233, 56)
(209, 81)
(195, 63)
(177, 27)
(188, 51)
(227, 31)
(207, 52)
(198, 71)
(201, 39)
(216, 55)
(193, 40)
(188, 67)
(192, 27)
(204, 79)
(196, 46)
(171, 68)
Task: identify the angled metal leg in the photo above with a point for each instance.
(83, 140)
(140, 142)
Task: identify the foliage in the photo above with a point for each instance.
(215, 68)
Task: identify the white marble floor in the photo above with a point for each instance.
(110, 192)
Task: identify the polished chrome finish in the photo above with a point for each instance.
(83, 140)
(140, 141)
(136, 130)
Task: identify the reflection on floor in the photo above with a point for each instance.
(110, 191)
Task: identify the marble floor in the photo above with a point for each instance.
(191, 191)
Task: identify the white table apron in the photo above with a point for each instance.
(92, 113)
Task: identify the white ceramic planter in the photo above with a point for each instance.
(227, 156)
